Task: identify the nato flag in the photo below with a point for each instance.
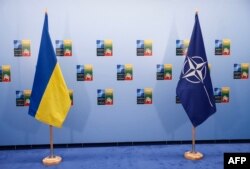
(195, 88)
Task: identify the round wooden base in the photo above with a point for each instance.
(48, 161)
(190, 155)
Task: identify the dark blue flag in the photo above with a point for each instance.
(195, 88)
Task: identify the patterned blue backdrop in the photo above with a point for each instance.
(124, 22)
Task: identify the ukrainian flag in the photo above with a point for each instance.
(50, 100)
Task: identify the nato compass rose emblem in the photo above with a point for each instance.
(195, 71)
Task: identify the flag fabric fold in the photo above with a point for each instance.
(195, 88)
(50, 100)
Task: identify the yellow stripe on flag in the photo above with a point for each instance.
(55, 102)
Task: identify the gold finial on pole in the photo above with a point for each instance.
(46, 10)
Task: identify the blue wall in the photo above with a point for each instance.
(124, 22)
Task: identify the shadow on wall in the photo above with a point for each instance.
(81, 108)
(165, 104)
(16, 118)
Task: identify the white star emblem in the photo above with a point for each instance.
(196, 71)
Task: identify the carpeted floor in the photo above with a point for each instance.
(123, 157)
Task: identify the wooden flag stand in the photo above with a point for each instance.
(193, 155)
(51, 159)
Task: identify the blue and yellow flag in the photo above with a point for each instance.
(195, 88)
(50, 100)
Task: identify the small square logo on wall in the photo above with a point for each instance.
(5, 75)
(241, 71)
(236, 160)
(164, 72)
(63, 47)
(23, 98)
(105, 97)
(144, 96)
(22, 48)
(104, 48)
(222, 47)
(221, 94)
(125, 72)
(84, 72)
(182, 47)
(144, 48)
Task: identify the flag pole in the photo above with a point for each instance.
(193, 155)
(51, 159)
(51, 141)
(193, 139)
